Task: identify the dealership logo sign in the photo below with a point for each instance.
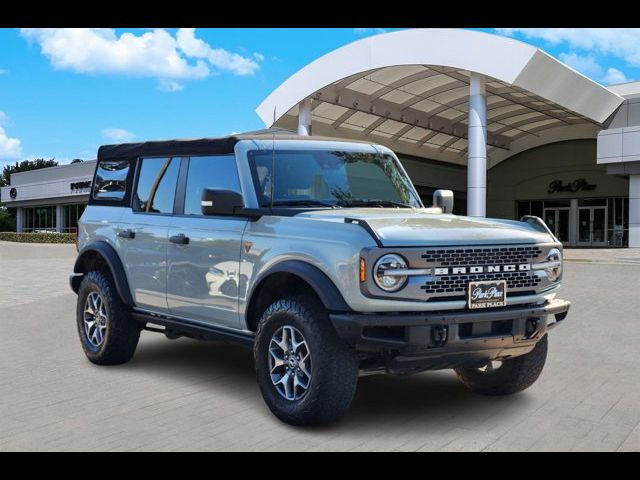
(579, 185)
(13, 193)
(79, 187)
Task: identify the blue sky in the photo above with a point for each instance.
(64, 93)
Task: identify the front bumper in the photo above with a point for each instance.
(450, 338)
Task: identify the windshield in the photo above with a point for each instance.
(330, 179)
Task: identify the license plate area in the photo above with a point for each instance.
(487, 294)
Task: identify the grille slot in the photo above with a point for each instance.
(460, 257)
(459, 283)
(456, 285)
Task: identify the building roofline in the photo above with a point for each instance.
(527, 67)
(66, 165)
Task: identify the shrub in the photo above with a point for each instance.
(7, 221)
(38, 237)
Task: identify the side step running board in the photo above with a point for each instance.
(192, 329)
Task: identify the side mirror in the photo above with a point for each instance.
(444, 200)
(219, 202)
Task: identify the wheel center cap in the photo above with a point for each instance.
(292, 362)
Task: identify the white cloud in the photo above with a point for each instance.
(155, 54)
(10, 148)
(167, 85)
(589, 66)
(217, 57)
(614, 76)
(587, 46)
(623, 43)
(586, 64)
(118, 135)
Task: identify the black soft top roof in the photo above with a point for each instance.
(200, 146)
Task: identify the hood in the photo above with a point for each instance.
(418, 227)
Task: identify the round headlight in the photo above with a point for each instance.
(384, 272)
(554, 270)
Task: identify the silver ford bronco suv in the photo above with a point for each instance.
(319, 254)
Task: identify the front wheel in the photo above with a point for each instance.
(306, 374)
(508, 376)
(108, 334)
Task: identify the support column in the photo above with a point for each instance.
(59, 219)
(573, 223)
(634, 211)
(304, 118)
(477, 148)
(19, 219)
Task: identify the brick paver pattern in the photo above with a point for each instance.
(190, 395)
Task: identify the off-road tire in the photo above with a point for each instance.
(513, 376)
(122, 332)
(334, 374)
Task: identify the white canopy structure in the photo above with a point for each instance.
(457, 96)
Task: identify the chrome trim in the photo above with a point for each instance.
(545, 265)
(407, 272)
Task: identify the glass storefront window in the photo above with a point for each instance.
(537, 208)
(524, 208)
(598, 222)
(71, 214)
(40, 219)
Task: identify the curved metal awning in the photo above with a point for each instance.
(409, 90)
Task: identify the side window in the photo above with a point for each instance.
(209, 172)
(156, 188)
(111, 180)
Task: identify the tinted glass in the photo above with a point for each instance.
(111, 180)
(156, 189)
(523, 209)
(536, 208)
(209, 172)
(331, 177)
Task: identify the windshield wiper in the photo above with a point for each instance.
(303, 203)
(372, 203)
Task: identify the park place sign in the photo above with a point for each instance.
(578, 185)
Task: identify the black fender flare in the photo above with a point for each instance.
(110, 256)
(322, 285)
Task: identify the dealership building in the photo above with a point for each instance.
(511, 130)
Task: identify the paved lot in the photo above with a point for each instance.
(188, 395)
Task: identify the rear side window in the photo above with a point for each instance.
(111, 180)
(156, 189)
(218, 171)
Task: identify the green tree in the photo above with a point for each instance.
(7, 221)
(24, 166)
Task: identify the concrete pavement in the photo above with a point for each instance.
(189, 395)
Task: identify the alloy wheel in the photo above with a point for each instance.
(95, 319)
(290, 363)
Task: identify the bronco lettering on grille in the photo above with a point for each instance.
(523, 267)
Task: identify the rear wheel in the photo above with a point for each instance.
(108, 334)
(508, 376)
(306, 374)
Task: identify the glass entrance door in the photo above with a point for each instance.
(592, 226)
(558, 221)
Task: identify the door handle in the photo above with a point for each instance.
(128, 233)
(180, 239)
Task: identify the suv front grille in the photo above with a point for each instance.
(449, 270)
(459, 257)
(459, 283)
